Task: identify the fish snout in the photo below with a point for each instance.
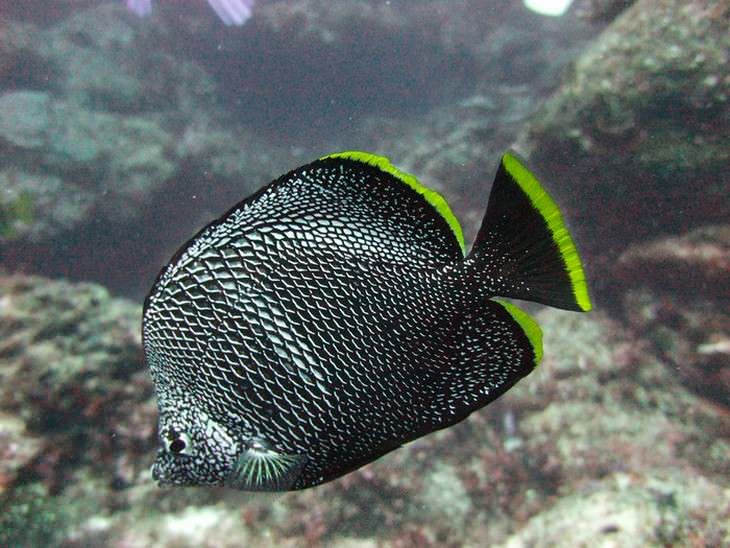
(157, 474)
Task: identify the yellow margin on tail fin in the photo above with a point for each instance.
(542, 201)
(438, 202)
(528, 325)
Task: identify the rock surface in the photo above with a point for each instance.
(73, 378)
(660, 509)
(674, 291)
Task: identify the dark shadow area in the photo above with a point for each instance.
(24, 70)
(285, 82)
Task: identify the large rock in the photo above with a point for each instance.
(640, 129)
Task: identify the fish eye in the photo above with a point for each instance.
(178, 446)
(178, 443)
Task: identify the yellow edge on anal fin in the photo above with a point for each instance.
(547, 207)
(431, 196)
(528, 325)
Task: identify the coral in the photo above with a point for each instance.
(72, 367)
(444, 496)
(18, 449)
(640, 413)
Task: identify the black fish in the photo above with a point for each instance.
(333, 316)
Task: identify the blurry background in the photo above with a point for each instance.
(121, 136)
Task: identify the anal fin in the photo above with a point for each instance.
(496, 344)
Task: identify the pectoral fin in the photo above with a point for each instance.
(261, 468)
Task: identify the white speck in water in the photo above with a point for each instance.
(554, 8)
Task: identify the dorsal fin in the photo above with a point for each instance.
(438, 202)
(352, 205)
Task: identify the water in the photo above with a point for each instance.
(121, 136)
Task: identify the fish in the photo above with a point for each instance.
(335, 315)
(231, 12)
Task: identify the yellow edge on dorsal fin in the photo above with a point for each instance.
(438, 202)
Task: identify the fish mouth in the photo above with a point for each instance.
(159, 476)
(156, 474)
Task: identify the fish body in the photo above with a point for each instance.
(334, 316)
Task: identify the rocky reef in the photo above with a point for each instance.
(603, 424)
(97, 132)
(104, 117)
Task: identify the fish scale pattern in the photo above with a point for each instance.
(311, 315)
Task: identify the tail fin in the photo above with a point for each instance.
(523, 249)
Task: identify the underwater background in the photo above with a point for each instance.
(121, 135)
